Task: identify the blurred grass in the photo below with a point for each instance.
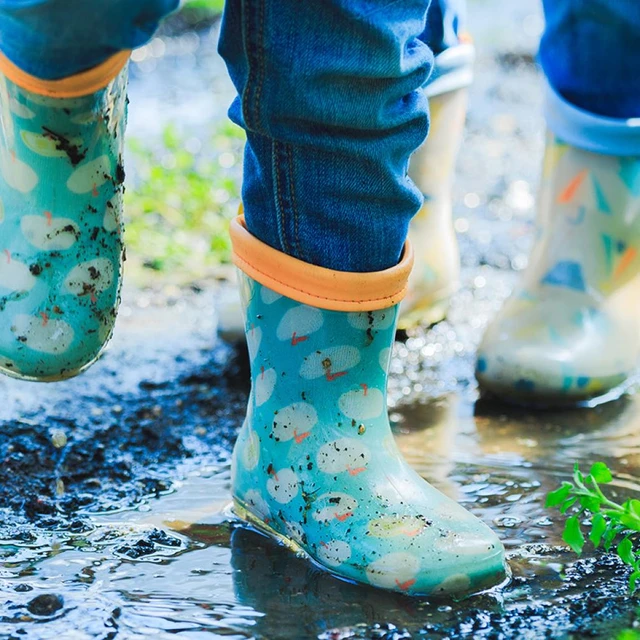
(214, 6)
(180, 200)
(181, 191)
(196, 14)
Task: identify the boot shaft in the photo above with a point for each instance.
(589, 219)
(309, 358)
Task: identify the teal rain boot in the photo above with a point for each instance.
(315, 465)
(571, 332)
(61, 190)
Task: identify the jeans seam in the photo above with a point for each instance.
(255, 60)
(294, 204)
(282, 233)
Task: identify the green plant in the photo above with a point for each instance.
(180, 201)
(196, 14)
(215, 6)
(607, 522)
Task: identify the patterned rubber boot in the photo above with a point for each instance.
(61, 190)
(570, 331)
(436, 274)
(315, 465)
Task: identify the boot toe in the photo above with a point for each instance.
(38, 347)
(555, 350)
(440, 563)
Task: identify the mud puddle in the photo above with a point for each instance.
(152, 551)
(114, 486)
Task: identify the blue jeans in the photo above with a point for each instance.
(331, 95)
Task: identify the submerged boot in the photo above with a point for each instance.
(61, 187)
(436, 274)
(315, 465)
(571, 331)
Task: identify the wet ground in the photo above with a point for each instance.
(114, 486)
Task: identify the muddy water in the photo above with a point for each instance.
(178, 563)
(174, 560)
(114, 487)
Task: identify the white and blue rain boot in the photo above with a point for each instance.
(570, 332)
(436, 274)
(315, 465)
(61, 188)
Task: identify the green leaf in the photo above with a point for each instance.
(578, 478)
(609, 535)
(590, 503)
(598, 527)
(567, 504)
(634, 507)
(572, 534)
(630, 521)
(601, 473)
(559, 495)
(625, 551)
(633, 580)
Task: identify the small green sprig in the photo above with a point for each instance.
(607, 523)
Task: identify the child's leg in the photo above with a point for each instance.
(62, 119)
(590, 53)
(332, 104)
(570, 332)
(436, 271)
(331, 97)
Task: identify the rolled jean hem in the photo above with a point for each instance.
(589, 131)
(453, 69)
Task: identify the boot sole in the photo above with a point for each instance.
(509, 396)
(242, 512)
(57, 378)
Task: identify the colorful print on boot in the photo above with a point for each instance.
(436, 273)
(61, 250)
(570, 332)
(316, 465)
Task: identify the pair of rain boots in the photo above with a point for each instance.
(315, 464)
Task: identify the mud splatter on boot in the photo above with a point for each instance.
(61, 250)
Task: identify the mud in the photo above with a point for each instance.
(97, 442)
(73, 151)
(114, 486)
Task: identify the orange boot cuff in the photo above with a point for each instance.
(318, 286)
(81, 84)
